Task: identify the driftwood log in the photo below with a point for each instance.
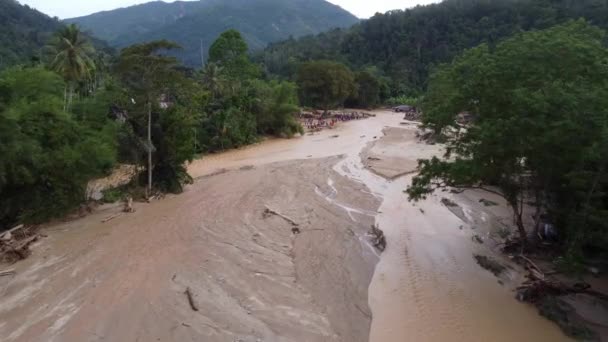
(295, 227)
(191, 300)
(268, 212)
(7, 273)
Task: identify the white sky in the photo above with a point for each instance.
(74, 8)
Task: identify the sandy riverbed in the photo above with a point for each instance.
(253, 279)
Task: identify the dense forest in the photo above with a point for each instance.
(73, 116)
(405, 46)
(193, 23)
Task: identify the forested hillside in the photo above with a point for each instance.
(187, 23)
(406, 45)
(23, 31)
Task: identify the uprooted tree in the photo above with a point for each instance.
(540, 130)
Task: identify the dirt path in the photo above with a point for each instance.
(251, 277)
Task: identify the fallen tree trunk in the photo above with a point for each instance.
(539, 285)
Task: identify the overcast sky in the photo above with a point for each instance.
(74, 8)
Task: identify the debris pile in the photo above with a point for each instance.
(378, 239)
(15, 243)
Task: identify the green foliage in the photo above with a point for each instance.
(150, 78)
(404, 100)
(368, 90)
(175, 145)
(71, 54)
(113, 195)
(540, 106)
(23, 31)
(407, 45)
(47, 156)
(325, 84)
(189, 22)
(274, 105)
(229, 52)
(236, 109)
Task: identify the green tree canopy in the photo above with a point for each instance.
(72, 56)
(539, 103)
(161, 114)
(230, 52)
(325, 84)
(368, 90)
(47, 156)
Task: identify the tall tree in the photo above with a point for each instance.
(230, 52)
(72, 57)
(152, 80)
(539, 102)
(325, 84)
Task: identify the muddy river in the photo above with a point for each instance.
(253, 279)
(426, 286)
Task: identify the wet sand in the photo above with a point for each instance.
(253, 279)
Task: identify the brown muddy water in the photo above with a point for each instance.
(254, 279)
(426, 286)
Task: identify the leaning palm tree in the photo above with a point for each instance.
(71, 57)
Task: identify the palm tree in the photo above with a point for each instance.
(72, 58)
(213, 78)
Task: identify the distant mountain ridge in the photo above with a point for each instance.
(188, 22)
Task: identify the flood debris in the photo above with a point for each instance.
(490, 264)
(477, 238)
(191, 301)
(8, 273)
(15, 243)
(373, 158)
(448, 202)
(487, 203)
(111, 217)
(378, 239)
(295, 229)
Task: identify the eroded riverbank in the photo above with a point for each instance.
(253, 278)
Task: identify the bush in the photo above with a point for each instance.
(47, 156)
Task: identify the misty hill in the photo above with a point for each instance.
(188, 22)
(23, 31)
